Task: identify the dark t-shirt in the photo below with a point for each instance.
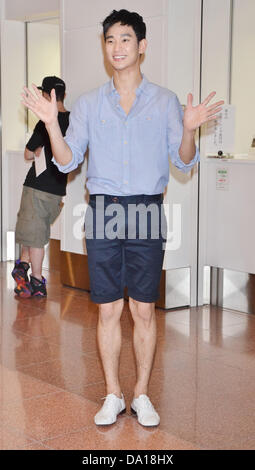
(51, 180)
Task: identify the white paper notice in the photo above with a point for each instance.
(220, 133)
(40, 163)
(222, 178)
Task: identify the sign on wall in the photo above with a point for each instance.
(220, 134)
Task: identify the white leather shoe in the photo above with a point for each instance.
(112, 407)
(145, 411)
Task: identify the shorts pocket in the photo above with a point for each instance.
(25, 231)
(55, 211)
(25, 226)
(47, 207)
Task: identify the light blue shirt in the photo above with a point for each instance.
(128, 154)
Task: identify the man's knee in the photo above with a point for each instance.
(110, 312)
(141, 311)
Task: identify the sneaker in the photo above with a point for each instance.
(23, 289)
(112, 407)
(19, 274)
(145, 411)
(38, 286)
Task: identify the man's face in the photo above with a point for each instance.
(122, 48)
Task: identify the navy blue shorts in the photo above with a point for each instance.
(125, 238)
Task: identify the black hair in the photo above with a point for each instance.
(60, 93)
(125, 17)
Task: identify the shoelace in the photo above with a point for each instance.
(145, 403)
(110, 395)
(108, 399)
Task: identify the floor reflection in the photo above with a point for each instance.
(52, 381)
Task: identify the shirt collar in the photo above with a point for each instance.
(141, 89)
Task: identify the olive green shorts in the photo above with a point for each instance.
(38, 210)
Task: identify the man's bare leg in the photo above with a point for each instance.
(109, 343)
(25, 257)
(36, 258)
(144, 337)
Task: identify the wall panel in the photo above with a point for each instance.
(79, 14)
(24, 9)
(215, 77)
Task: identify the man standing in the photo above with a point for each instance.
(131, 126)
(41, 199)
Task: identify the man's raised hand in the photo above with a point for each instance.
(45, 110)
(195, 116)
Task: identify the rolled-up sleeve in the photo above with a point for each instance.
(76, 135)
(174, 135)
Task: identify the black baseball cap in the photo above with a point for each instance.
(49, 83)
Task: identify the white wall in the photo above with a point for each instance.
(183, 76)
(226, 230)
(13, 113)
(2, 9)
(24, 9)
(243, 73)
(43, 50)
(230, 218)
(183, 61)
(13, 80)
(216, 48)
(215, 77)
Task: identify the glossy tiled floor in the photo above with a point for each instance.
(52, 383)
